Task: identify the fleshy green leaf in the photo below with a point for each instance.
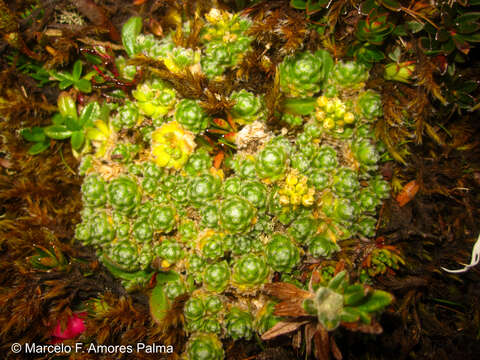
(60, 76)
(414, 26)
(166, 276)
(89, 114)
(77, 70)
(158, 303)
(83, 85)
(38, 148)
(472, 37)
(96, 60)
(376, 301)
(34, 134)
(130, 30)
(58, 119)
(303, 106)
(314, 6)
(57, 132)
(327, 62)
(468, 23)
(391, 4)
(72, 124)
(77, 140)
(298, 4)
(67, 106)
(65, 84)
(339, 281)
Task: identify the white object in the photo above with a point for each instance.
(475, 259)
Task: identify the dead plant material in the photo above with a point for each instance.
(97, 15)
(276, 23)
(171, 328)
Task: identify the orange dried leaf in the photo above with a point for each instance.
(408, 193)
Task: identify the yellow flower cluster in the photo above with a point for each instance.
(332, 113)
(295, 191)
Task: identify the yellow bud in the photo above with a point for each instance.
(301, 188)
(295, 199)
(320, 115)
(328, 123)
(349, 118)
(322, 101)
(284, 200)
(165, 264)
(291, 179)
(330, 106)
(307, 200)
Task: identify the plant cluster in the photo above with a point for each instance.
(158, 203)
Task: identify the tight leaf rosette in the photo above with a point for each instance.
(190, 115)
(236, 214)
(305, 73)
(250, 270)
(282, 254)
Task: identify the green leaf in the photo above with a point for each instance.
(60, 76)
(391, 4)
(166, 276)
(414, 26)
(396, 54)
(314, 6)
(468, 23)
(77, 70)
(376, 301)
(339, 281)
(327, 62)
(57, 132)
(38, 148)
(349, 315)
(303, 106)
(89, 114)
(472, 37)
(298, 4)
(66, 106)
(96, 60)
(65, 84)
(373, 55)
(130, 31)
(77, 140)
(91, 74)
(129, 276)
(72, 124)
(104, 112)
(400, 30)
(356, 295)
(159, 304)
(58, 119)
(83, 85)
(34, 134)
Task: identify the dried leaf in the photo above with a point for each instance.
(283, 327)
(286, 291)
